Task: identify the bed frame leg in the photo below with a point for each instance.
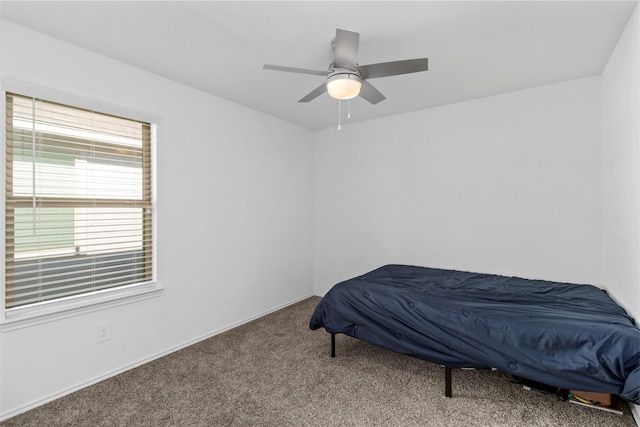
(333, 345)
(447, 381)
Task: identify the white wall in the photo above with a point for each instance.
(621, 172)
(234, 222)
(508, 184)
(621, 169)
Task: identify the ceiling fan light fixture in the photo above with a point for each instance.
(344, 86)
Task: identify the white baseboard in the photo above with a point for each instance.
(113, 373)
(635, 411)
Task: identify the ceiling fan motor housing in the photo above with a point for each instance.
(341, 73)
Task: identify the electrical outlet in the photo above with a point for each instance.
(103, 332)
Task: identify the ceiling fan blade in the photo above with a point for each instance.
(345, 48)
(314, 93)
(393, 68)
(370, 93)
(294, 70)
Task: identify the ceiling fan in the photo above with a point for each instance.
(345, 78)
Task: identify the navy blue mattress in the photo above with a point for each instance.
(565, 335)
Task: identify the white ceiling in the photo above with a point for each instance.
(475, 48)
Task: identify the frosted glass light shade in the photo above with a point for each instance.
(344, 86)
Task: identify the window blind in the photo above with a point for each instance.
(78, 201)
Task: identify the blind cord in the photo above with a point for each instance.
(33, 167)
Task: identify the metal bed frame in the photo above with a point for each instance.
(447, 370)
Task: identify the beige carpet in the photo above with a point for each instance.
(276, 372)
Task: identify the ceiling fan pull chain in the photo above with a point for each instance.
(339, 114)
(349, 109)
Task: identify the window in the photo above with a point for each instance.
(78, 202)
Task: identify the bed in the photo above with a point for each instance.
(565, 335)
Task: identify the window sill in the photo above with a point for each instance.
(47, 312)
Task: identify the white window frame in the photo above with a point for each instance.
(21, 317)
